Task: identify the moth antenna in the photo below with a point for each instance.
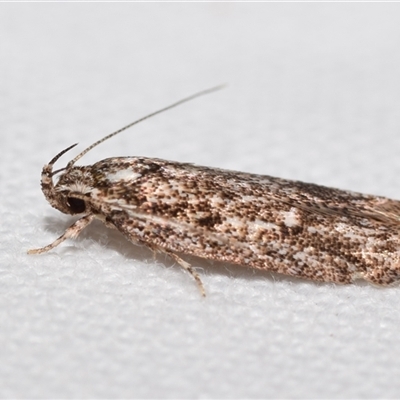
(48, 169)
(61, 153)
(186, 99)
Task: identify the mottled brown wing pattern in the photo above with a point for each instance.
(291, 227)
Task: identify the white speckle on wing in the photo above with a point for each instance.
(290, 218)
(123, 175)
(266, 225)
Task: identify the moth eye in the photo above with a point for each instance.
(77, 206)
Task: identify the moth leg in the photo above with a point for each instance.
(186, 266)
(189, 269)
(73, 231)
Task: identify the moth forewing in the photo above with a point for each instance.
(262, 222)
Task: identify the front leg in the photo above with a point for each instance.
(73, 231)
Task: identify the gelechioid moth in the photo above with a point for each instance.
(258, 221)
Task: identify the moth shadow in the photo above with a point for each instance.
(115, 241)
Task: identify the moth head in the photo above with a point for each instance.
(69, 193)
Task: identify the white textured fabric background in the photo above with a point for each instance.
(314, 94)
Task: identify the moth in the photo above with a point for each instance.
(257, 221)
